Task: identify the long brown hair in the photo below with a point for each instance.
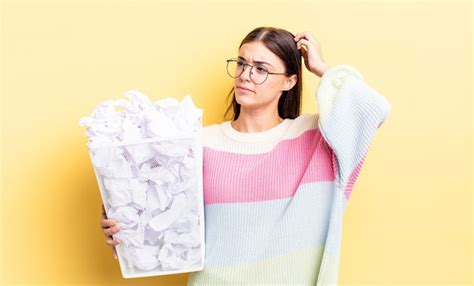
(281, 43)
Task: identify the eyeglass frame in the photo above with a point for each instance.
(250, 72)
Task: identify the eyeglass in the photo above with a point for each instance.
(236, 67)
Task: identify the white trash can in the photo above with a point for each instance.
(153, 189)
(148, 161)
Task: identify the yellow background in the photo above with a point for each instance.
(410, 216)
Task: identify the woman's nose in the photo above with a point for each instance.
(244, 74)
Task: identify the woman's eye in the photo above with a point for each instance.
(240, 64)
(261, 69)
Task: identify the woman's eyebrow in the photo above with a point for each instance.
(258, 62)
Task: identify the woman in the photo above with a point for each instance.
(276, 183)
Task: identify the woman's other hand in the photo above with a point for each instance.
(311, 52)
(109, 227)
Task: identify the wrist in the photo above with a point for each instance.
(323, 67)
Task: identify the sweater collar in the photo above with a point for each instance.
(271, 134)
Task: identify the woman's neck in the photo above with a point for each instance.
(255, 122)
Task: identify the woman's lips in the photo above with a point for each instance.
(243, 90)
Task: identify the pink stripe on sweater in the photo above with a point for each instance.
(231, 177)
(355, 174)
(353, 178)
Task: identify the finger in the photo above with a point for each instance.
(304, 35)
(308, 37)
(303, 42)
(300, 35)
(112, 242)
(111, 230)
(107, 232)
(114, 229)
(107, 223)
(304, 52)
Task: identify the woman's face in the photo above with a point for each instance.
(269, 92)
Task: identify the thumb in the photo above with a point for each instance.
(304, 53)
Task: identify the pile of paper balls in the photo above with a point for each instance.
(144, 156)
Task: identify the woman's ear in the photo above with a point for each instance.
(290, 82)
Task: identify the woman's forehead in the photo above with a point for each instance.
(257, 52)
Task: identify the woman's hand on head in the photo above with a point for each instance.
(311, 52)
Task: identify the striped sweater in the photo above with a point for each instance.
(274, 200)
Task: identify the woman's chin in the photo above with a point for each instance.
(244, 100)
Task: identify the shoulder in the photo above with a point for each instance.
(306, 121)
(301, 124)
(211, 128)
(211, 132)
